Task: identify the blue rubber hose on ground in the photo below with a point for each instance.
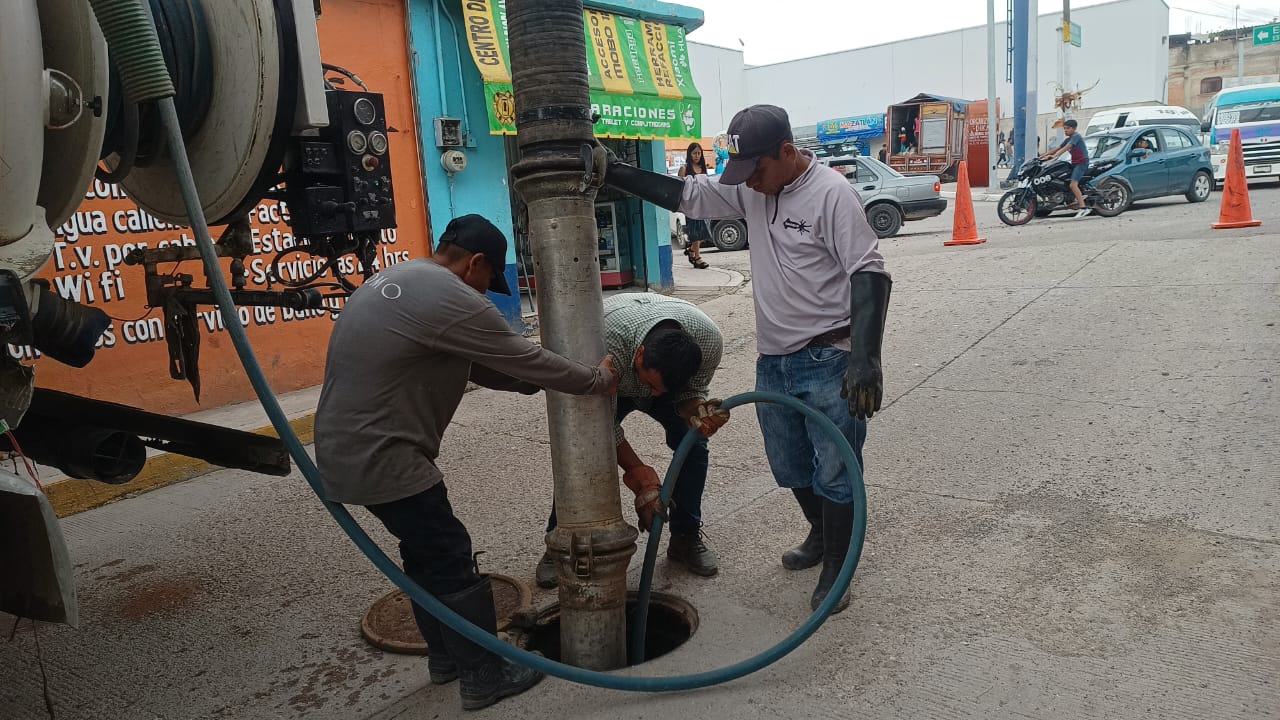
(640, 619)
(271, 405)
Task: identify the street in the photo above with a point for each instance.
(1072, 488)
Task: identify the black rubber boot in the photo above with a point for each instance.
(484, 678)
(809, 552)
(440, 664)
(547, 575)
(837, 530)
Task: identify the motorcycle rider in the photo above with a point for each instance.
(1074, 143)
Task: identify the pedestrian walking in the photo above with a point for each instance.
(695, 163)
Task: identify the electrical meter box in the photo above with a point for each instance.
(448, 132)
(340, 178)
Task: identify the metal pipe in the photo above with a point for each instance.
(993, 117)
(594, 543)
(462, 81)
(441, 91)
(1018, 131)
(1033, 76)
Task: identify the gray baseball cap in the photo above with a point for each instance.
(755, 131)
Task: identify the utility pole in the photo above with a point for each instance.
(993, 117)
(1066, 55)
(1239, 49)
(1019, 22)
(555, 177)
(1033, 77)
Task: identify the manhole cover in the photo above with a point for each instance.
(389, 624)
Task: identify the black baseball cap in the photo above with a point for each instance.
(478, 235)
(755, 131)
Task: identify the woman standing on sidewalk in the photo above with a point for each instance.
(698, 230)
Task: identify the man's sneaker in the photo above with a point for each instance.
(547, 575)
(689, 550)
(1082, 212)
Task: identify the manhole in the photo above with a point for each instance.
(389, 624)
(672, 621)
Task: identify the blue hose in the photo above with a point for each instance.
(640, 622)
(271, 405)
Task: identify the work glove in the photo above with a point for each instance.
(657, 188)
(709, 417)
(647, 486)
(863, 381)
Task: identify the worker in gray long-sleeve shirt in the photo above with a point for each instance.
(399, 360)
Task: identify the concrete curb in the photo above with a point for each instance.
(977, 196)
(71, 496)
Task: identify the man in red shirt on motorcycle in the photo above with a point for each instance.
(1074, 143)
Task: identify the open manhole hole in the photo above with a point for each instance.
(672, 621)
(389, 624)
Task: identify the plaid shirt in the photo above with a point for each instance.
(628, 317)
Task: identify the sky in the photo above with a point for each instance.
(814, 27)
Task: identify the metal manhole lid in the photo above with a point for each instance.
(389, 623)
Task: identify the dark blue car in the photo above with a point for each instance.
(1153, 161)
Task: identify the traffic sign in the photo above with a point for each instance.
(1075, 36)
(1266, 34)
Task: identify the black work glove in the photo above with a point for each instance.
(864, 381)
(657, 188)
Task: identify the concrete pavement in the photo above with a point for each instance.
(1072, 500)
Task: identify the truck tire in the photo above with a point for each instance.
(885, 220)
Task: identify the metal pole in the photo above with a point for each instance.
(993, 117)
(1066, 57)
(1031, 130)
(1019, 85)
(553, 114)
(1239, 49)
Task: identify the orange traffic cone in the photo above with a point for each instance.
(965, 229)
(1235, 212)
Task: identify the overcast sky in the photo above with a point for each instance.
(770, 32)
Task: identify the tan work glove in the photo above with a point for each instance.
(709, 417)
(647, 486)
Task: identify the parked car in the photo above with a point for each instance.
(1154, 161)
(889, 197)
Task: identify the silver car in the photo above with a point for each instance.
(889, 197)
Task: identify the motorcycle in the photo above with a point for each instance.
(1046, 187)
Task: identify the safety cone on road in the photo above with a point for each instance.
(1235, 212)
(965, 229)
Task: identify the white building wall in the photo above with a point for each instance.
(1125, 51)
(718, 75)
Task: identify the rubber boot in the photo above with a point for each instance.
(837, 530)
(809, 552)
(484, 678)
(547, 575)
(440, 664)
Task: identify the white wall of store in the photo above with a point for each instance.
(1125, 50)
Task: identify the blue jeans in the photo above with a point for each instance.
(800, 453)
(686, 498)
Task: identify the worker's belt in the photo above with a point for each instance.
(830, 337)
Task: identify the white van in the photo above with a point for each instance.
(1143, 115)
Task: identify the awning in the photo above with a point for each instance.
(641, 84)
(862, 127)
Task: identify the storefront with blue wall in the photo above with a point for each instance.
(465, 121)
